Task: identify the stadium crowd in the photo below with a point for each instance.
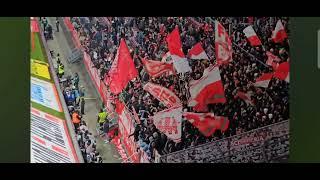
(146, 39)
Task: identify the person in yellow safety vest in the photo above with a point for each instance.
(102, 117)
(60, 70)
(76, 119)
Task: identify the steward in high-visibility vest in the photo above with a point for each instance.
(102, 117)
(60, 70)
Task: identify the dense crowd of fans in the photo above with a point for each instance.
(146, 39)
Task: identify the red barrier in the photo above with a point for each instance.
(126, 122)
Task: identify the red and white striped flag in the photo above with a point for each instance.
(197, 52)
(135, 115)
(157, 68)
(283, 72)
(245, 96)
(279, 34)
(263, 80)
(207, 90)
(166, 57)
(175, 48)
(207, 123)
(272, 60)
(223, 45)
(252, 36)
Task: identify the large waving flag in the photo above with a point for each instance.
(122, 70)
(157, 68)
(252, 36)
(207, 123)
(169, 122)
(279, 34)
(175, 48)
(207, 90)
(223, 44)
(197, 52)
(263, 80)
(282, 71)
(164, 95)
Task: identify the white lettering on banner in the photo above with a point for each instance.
(44, 93)
(164, 95)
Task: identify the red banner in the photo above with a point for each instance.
(163, 94)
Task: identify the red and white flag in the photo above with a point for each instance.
(263, 80)
(122, 70)
(180, 62)
(164, 95)
(169, 122)
(197, 52)
(252, 36)
(207, 90)
(223, 44)
(166, 57)
(157, 68)
(245, 96)
(279, 34)
(272, 60)
(207, 123)
(283, 72)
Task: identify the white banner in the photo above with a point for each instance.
(45, 93)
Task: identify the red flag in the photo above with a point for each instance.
(279, 34)
(207, 123)
(252, 36)
(122, 69)
(223, 44)
(164, 95)
(157, 68)
(245, 96)
(207, 90)
(263, 80)
(197, 52)
(119, 106)
(282, 71)
(180, 63)
(169, 122)
(273, 60)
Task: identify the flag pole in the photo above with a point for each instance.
(250, 54)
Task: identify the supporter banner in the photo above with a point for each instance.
(126, 127)
(157, 68)
(45, 93)
(40, 69)
(164, 95)
(207, 90)
(223, 44)
(50, 140)
(260, 145)
(169, 122)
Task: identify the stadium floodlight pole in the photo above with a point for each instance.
(251, 55)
